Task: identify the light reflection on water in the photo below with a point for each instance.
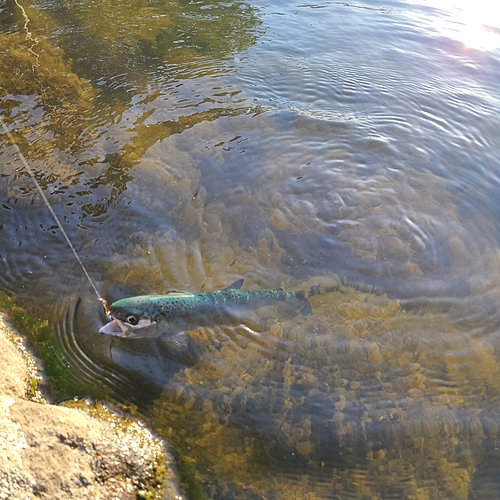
(474, 23)
(185, 146)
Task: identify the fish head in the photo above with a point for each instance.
(131, 318)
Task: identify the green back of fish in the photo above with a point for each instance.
(180, 305)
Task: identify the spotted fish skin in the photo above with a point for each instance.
(176, 306)
(134, 316)
(139, 317)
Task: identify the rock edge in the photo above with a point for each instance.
(87, 451)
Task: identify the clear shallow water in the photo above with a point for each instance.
(186, 145)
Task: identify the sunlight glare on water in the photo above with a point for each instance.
(475, 23)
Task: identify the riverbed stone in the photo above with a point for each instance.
(83, 450)
(13, 369)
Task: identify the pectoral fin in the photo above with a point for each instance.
(306, 309)
(181, 348)
(177, 343)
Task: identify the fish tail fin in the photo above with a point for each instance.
(303, 296)
(355, 285)
(314, 290)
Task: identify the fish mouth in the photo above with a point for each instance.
(118, 328)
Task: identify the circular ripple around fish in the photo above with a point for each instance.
(84, 368)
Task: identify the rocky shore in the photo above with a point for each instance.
(81, 450)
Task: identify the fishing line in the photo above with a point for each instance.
(34, 42)
(51, 210)
(29, 37)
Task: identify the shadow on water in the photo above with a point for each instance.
(187, 145)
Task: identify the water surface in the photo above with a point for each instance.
(185, 145)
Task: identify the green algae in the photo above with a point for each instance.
(32, 385)
(189, 477)
(40, 336)
(49, 84)
(163, 31)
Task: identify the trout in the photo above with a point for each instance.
(138, 317)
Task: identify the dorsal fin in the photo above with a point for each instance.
(235, 285)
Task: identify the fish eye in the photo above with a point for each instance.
(132, 319)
